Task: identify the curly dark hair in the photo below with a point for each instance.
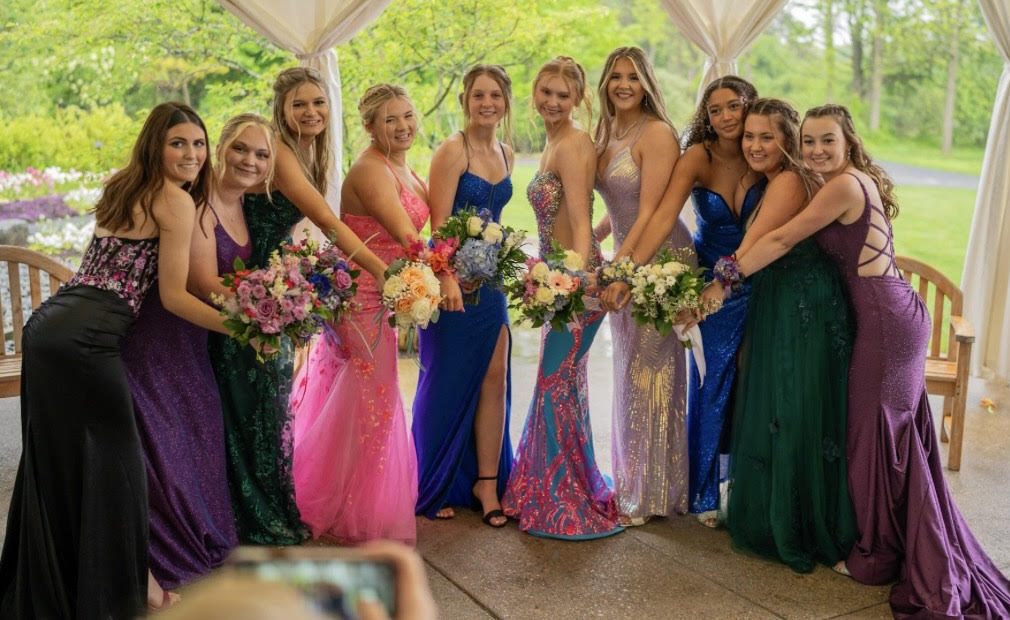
(700, 130)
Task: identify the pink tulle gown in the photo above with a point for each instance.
(354, 463)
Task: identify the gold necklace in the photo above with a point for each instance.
(629, 129)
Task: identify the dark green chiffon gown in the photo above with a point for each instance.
(254, 399)
(789, 499)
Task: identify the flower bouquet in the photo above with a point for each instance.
(329, 273)
(277, 300)
(483, 250)
(412, 293)
(664, 288)
(551, 291)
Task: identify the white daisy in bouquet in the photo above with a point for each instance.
(664, 288)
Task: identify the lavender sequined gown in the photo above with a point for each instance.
(909, 528)
(556, 490)
(181, 427)
(650, 377)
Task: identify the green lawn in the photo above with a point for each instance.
(932, 226)
(963, 160)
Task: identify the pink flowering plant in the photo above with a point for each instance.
(487, 252)
(551, 291)
(265, 304)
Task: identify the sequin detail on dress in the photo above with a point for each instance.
(556, 490)
(650, 378)
(545, 193)
(355, 467)
(126, 267)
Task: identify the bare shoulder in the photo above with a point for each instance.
(174, 196)
(576, 143)
(657, 133)
(847, 186)
(451, 153)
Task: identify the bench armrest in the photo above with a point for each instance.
(963, 331)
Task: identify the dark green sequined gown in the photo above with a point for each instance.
(254, 399)
(790, 497)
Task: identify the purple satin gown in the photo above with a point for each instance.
(179, 419)
(909, 528)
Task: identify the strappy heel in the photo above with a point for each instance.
(491, 514)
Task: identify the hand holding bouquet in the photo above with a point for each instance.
(329, 273)
(412, 293)
(270, 302)
(483, 250)
(661, 290)
(552, 289)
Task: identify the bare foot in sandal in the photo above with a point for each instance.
(445, 513)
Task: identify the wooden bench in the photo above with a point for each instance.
(12, 305)
(949, 352)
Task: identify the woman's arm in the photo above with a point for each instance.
(175, 214)
(658, 152)
(291, 181)
(648, 239)
(783, 199)
(447, 165)
(837, 198)
(203, 276)
(576, 159)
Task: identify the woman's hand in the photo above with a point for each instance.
(616, 296)
(451, 293)
(712, 296)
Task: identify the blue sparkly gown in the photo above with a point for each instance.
(719, 234)
(455, 354)
(556, 489)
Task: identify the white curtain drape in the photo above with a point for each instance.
(310, 29)
(721, 28)
(986, 276)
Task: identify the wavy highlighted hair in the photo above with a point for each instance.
(652, 103)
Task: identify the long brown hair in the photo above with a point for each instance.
(317, 166)
(860, 159)
(700, 130)
(652, 103)
(504, 82)
(787, 121)
(142, 179)
(574, 75)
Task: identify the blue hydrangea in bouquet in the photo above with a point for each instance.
(484, 250)
(551, 290)
(329, 273)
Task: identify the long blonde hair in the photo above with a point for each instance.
(574, 75)
(317, 166)
(652, 103)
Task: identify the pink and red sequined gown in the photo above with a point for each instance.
(355, 468)
(556, 490)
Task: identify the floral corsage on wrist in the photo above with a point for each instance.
(727, 273)
(619, 270)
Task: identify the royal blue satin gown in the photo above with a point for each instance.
(719, 233)
(455, 354)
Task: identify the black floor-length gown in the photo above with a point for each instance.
(76, 543)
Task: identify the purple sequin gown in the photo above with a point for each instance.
(556, 490)
(650, 377)
(909, 528)
(178, 411)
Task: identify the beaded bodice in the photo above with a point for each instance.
(126, 267)
(545, 193)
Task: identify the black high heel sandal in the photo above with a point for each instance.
(491, 514)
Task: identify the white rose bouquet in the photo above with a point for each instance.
(664, 288)
(551, 291)
(412, 293)
(483, 250)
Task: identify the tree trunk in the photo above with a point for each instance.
(950, 97)
(829, 47)
(857, 21)
(877, 66)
